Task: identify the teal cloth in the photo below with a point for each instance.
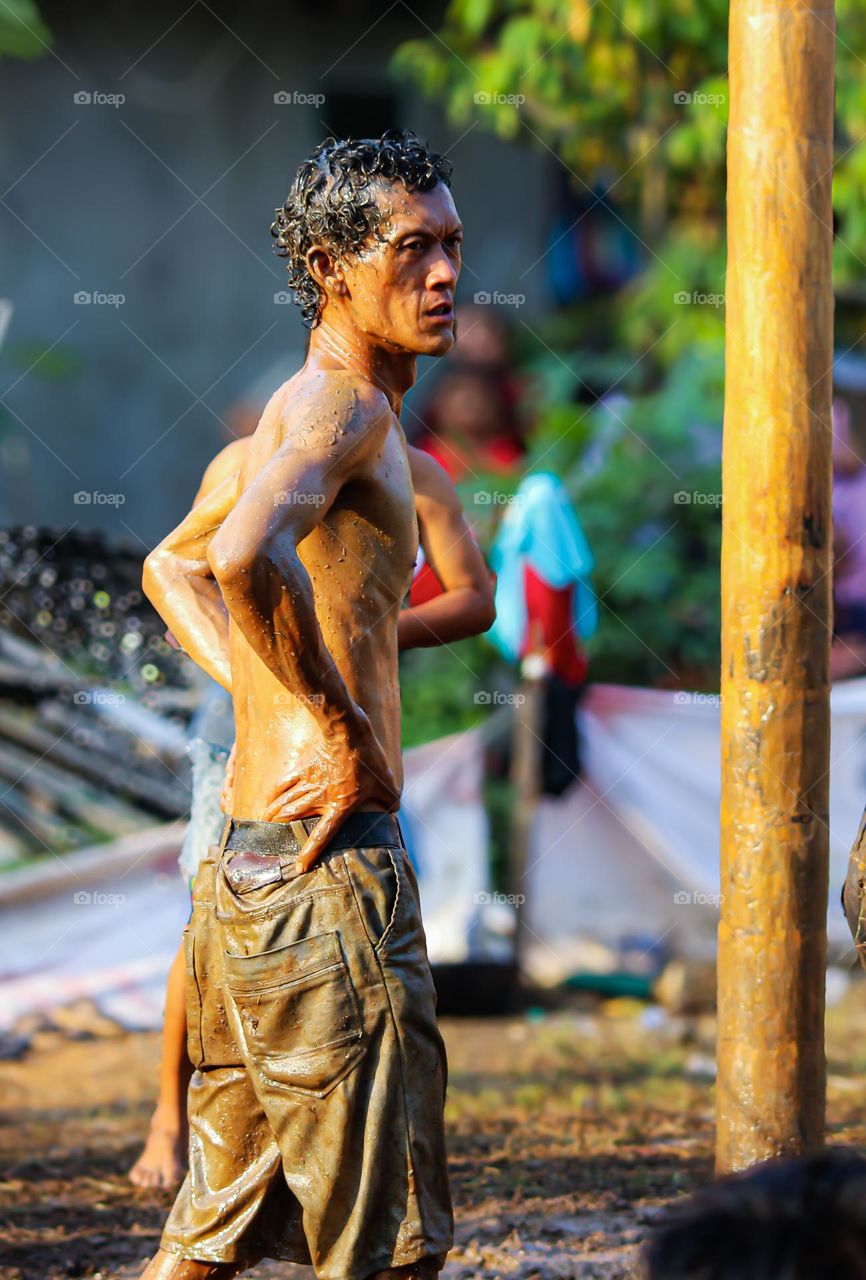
(541, 528)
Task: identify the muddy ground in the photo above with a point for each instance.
(569, 1133)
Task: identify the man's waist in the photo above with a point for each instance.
(257, 853)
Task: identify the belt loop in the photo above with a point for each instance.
(224, 838)
(289, 858)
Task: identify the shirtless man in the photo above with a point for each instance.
(316, 1108)
(462, 607)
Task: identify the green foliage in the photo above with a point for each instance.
(23, 34)
(645, 476)
(439, 686)
(631, 95)
(603, 85)
(51, 363)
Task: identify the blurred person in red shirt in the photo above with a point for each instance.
(472, 423)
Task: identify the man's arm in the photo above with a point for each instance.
(254, 556)
(269, 596)
(227, 462)
(178, 581)
(466, 606)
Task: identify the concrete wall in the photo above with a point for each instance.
(166, 199)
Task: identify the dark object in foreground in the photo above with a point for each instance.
(783, 1220)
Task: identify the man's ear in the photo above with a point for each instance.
(324, 269)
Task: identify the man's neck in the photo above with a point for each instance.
(392, 371)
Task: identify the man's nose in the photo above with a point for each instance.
(442, 273)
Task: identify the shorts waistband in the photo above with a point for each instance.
(285, 839)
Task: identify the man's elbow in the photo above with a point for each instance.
(154, 575)
(485, 611)
(229, 564)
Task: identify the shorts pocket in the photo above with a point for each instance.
(376, 880)
(299, 1013)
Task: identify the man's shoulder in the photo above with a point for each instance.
(229, 460)
(333, 400)
(430, 480)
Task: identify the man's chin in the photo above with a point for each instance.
(436, 344)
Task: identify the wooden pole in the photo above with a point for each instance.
(526, 748)
(776, 582)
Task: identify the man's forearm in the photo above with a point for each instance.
(192, 608)
(449, 617)
(179, 584)
(274, 609)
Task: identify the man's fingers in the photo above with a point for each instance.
(324, 830)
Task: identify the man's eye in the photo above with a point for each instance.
(413, 244)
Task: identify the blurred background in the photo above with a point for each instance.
(562, 772)
(145, 322)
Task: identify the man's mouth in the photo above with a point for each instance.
(442, 311)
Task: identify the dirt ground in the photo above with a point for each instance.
(569, 1133)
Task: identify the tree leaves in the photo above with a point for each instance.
(23, 34)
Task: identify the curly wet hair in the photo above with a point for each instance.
(332, 201)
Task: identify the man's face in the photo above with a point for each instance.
(401, 286)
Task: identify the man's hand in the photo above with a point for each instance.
(348, 772)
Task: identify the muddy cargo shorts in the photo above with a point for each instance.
(316, 1105)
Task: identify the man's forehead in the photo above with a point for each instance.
(432, 211)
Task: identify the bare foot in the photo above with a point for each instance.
(163, 1161)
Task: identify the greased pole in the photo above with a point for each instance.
(776, 583)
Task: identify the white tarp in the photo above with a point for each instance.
(105, 925)
(636, 848)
